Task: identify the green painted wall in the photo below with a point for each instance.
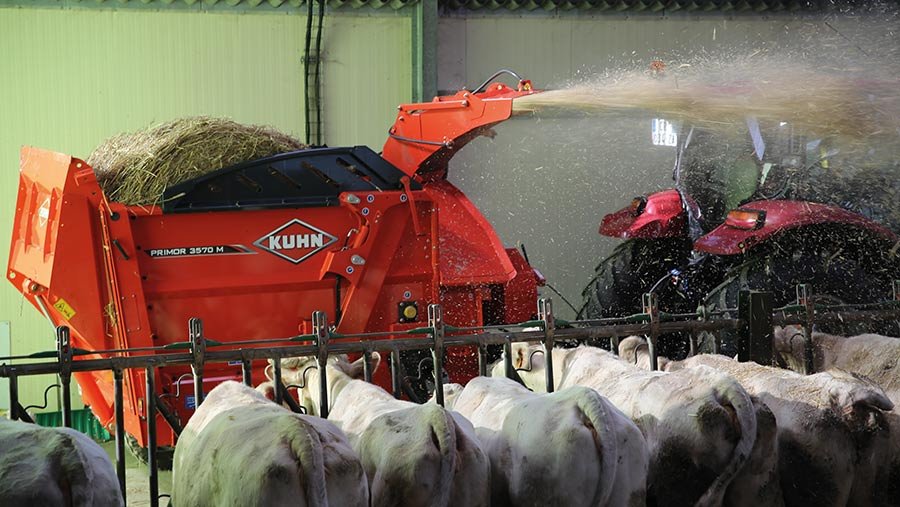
(70, 78)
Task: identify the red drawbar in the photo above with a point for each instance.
(662, 216)
(781, 216)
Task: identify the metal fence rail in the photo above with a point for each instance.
(754, 327)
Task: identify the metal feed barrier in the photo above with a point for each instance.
(754, 327)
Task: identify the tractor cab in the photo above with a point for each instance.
(720, 170)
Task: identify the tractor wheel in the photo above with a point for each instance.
(164, 455)
(630, 271)
(839, 272)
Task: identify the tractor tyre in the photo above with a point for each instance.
(839, 272)
(631, 270)
(164, 455)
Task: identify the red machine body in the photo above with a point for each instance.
(130, 276)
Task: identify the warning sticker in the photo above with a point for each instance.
(64, 308)
(44, 212)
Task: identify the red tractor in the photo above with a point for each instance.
(767, 209)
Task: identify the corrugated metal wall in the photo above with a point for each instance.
(555, 50)
(70, 78)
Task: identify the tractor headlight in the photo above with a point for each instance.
(746, 219)
(637, 205)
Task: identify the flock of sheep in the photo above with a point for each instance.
(706, 431)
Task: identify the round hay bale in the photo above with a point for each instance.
(137, 168)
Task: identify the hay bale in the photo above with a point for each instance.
(137, 168)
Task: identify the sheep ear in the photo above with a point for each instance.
(520, 358)
(357, 368)
(267, 389)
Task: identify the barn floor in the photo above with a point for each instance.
(137, 482)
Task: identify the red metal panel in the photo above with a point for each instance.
(55, 250)
(663, 216)
(470, 250)
(463, 306)
(782, 216)
(520, 294)
(206, 265)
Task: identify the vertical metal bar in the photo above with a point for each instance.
(436, 323)
(545, 313)
(367, 365)
(614, 344)
(425, 18)
(66, 402)
(743, 342)
(692, 344)
(703, 316)
(276, 379)
(247, 371)
(120, 430)
(395, 374)
(13, 395)
(169, 417)
(320, 329)
(198, 351)
(64, 356)
(150, 399)
(804, 298)
(651, 308)
(482, 360)
(760, 327)
(508, 369)
(337, 299)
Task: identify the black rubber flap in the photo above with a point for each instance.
(307, 178)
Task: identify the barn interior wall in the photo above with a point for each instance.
(72, 78)
(547, 182)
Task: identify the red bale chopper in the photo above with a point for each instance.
(254, 249)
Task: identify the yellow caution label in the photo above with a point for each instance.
(64, 308)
